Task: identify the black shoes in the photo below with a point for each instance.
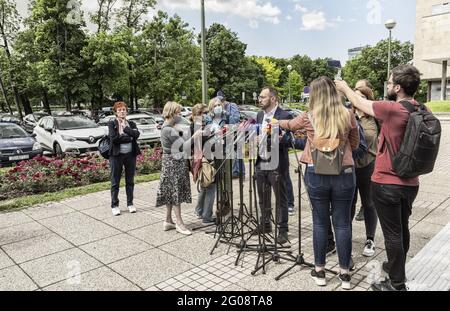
(345, 281)
(261, 230)
(386, 286)
(319, 277)
(282, 238)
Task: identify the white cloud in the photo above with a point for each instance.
(255, 10)
(315, 20)
(300, 8)
(288, 17)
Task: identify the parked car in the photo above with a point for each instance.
(294, 112)
(68, 134)
(10, 118)
(30, 121)
(246, 115)
(60, 113)
(249, 108)
(16, 144)
(146, 124)
(83, 113)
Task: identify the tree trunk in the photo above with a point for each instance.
(26, 104)
(136, 98)
(5, 96)
(13, 87)
(67, 100)
(131, 91)
(45, 102)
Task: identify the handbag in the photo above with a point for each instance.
(327, 155)
(104, 146)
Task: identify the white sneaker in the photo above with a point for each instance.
(168, 226)
(116, 211)
(369, 249)
(132, 209)
(182, 231)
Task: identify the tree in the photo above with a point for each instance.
(310, 69)
(372, 63)
(130, 18)
(296, 85)
(168, 61)
(106, 58)
(251, 80)
(58, 40)
(271, 72)
(9, 26)
(226, 56)
(103, 15)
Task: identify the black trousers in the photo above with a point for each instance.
(117, 163)
(266, 181)
(363, 185)
(394, 207)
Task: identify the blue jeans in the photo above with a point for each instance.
(238, 166)
(331, 195)
(205, 203)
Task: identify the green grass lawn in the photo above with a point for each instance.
(439, 106)
(68, 193)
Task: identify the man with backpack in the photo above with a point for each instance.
(407, 148)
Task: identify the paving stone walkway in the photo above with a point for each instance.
(77, 244)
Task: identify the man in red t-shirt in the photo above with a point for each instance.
(392, 196)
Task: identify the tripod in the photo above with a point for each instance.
(272, 249)
(228, 230)
(299, 260)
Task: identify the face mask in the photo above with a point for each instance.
(218, 110)
(176, 119)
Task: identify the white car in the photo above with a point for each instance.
(146, 124)
(68, 134)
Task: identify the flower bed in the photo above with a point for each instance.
(44, 174)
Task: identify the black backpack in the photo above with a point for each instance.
(420, 146)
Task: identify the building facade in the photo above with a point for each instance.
(432, 46)
(352, 53)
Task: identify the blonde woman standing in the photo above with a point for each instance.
(174, 187)
(329, 121)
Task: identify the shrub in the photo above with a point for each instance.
(43, 174)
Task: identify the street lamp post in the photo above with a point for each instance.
(390, 24)
(204, 64)
(289, 67)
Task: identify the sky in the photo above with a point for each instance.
(284, 28)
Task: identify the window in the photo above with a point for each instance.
(440, 8)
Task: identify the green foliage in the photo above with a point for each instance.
(372, 63)
(271, 72)
(168, 61)
(296, 84)
(226, 56)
